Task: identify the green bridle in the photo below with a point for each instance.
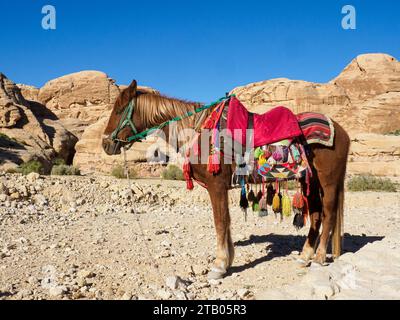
(126, 121)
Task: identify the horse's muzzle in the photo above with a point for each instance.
(111, 147)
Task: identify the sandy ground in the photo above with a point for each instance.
(79, 238)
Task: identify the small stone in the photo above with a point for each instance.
(33, 281)
(85, 274)
(24, 294)
(242, 293)
(214, 282)
(174, 283)
(57, 291)
(39, 200)
(166, 243)
(126, 296)
(15, 196)
(3, 189)
(163, 294)
(199, 270)
(32, 177)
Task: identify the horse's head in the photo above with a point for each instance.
(123, 122)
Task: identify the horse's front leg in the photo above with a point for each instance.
(225, 250)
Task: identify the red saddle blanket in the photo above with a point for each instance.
(275, 125)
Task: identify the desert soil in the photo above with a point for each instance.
(79, 238)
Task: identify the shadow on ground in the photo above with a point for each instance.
(279, 245)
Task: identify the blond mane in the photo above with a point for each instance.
(154, 109)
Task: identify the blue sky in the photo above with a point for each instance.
(193, 49)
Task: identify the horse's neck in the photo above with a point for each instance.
(157, 110)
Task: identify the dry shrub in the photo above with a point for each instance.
(172, 172)
(370, 183)
(119, 173)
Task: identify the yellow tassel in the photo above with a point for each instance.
(286, 206)
(276, 203)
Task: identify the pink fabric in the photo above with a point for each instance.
(275, 125)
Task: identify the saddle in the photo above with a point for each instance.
(279, 141)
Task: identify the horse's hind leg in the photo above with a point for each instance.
(315, 208)
(330, 203)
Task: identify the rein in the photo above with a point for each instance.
(126, 121)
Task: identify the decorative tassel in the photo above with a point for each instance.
(300, 209)
(187, 174)
(259, 196)
(298, 201)
(276, 203)
(256, 207)
(298, 221)
(251, 196)
(270, 194)
(213, 163)
(286, 206)
(244, 203)
(263, 207)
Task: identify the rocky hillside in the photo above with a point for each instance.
(65, 118)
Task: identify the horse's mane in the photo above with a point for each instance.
(154, 109)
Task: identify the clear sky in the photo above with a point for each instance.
(193, 49)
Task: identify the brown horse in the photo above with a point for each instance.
(326, 186)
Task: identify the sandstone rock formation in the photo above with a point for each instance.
(29, 131)
(9, 100)
(375, 154)
(79, 99)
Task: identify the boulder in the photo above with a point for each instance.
(32, 133)
(79, 99)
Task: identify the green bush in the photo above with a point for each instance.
(64, 170)
(119, 173)
(172, 173)
(395, 133)
(58, 162)
(370, 183)
(31, 166)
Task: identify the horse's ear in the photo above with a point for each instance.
(132, 89)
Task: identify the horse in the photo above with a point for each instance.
(326, 185)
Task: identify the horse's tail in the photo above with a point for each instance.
(337, 239)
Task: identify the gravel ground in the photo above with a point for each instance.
(79, 238)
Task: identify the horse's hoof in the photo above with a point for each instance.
(320, 259)
(216, 274)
